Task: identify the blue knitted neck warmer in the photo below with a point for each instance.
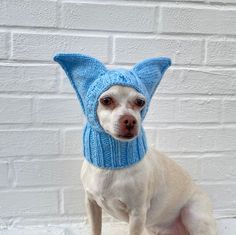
(90, 78)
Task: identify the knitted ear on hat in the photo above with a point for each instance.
(150, 71)
(82, 70)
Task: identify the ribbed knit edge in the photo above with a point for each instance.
(103, 151)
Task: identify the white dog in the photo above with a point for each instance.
(156, 195)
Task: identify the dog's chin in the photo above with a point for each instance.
(122, 137)
(125, 138)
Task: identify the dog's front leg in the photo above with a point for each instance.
(94, 215)
(137, 220)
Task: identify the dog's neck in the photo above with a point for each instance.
(103, 151)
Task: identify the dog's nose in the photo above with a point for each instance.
(128, 122)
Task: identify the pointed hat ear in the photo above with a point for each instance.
(150, 72)
(82, 70)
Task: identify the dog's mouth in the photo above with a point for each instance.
(123, 137)
(127, 136)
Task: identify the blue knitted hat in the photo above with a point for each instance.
(90, 78)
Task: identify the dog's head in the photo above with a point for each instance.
(119, 111)
(114, 101)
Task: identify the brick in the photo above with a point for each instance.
(196, 140)
(206, 82)
(193, 20)
(15, 110)
(221, 52)
(218, 168)
(191, 165)
(186, 110)
(58, 110)
(28, 203)
(32, 230)
(66, 86)
(28, 142)
(198, 110)
(72, 143)
(74, 201)
(28, 78)
(108, 17)
(131, 50)
(222, 195)
(151, 135)
(48, 172)
(4, 37)
(162, 110)
(185, 0)
(229, 110)
(226, 139)
(43, 47)
(28, 13)
(3, 174)
(223, 1)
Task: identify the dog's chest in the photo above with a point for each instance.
(100, 185)
(107, 189)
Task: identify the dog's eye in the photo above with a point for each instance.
(140, 102)
(106, 101)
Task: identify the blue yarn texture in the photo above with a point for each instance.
(90, 78)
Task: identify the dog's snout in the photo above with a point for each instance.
(128, 122)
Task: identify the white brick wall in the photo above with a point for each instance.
(197, 20)
(28, 13)
(28, 203)
(182, 51)
(126, 18)
(4, 48)
(192, 116)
